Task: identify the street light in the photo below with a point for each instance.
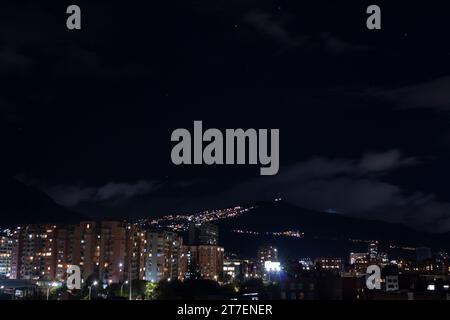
(49, 285)
(129, 280)
(95, 283)
(121, 287)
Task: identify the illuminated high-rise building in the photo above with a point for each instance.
(5, 255)
(210, 261)
(112, 246)
(267, 253)
(331, 264)
(34, 252)
(359, 261)
(203, 234)
(136, 252)
(110, 251)
(354, 256)
(89, 249)
(164, 253)
(233, 268)
(373, 250)
(103, 250)
(67, 249)
(203, 261)
(189, 263)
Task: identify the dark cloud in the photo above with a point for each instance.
(276, 26)
(333, 44)
(13, 60)
(429, 94)
(70, 196)
(273, 27)
(113, 190)
(352, 187)
(378, 162)
(347, 186)
(109, 193)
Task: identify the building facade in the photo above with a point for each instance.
(164, 254)
(329, 264)
(109, 251)
(136, 252)
(34, 252)
(67, 249)
(203, 234)
(203, 261)
(6, 243)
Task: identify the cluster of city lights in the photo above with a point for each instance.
(288, 233)
(362, 241)
(402, 248)
(181, 222)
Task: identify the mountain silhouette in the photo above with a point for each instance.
(22, 204)
(327, 234)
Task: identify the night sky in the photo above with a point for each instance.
(86, 116)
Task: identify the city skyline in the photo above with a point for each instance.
(224, 150)
(113, 254)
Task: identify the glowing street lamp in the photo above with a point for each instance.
(49, 285)
(121, 287)
(95, 283)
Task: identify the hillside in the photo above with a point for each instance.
(324, 233)
(20, 204)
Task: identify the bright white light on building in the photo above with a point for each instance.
(271, 266)
(431, 287)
